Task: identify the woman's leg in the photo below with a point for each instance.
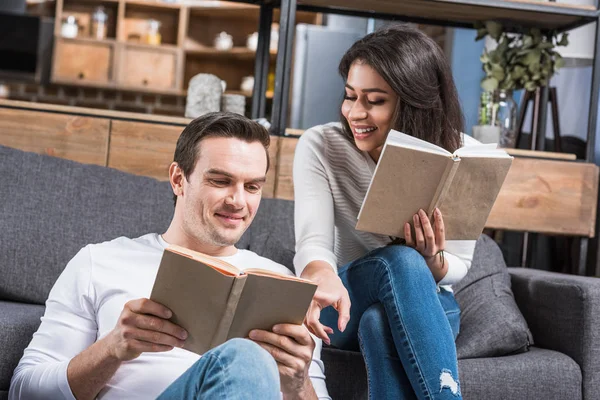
(398, 278)
(239, 369)
(386, 376)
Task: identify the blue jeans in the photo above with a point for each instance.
(403, 324)
(239, 369)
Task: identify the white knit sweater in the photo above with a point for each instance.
(331, 178)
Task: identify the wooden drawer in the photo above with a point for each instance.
(79, 61)
(148, 67)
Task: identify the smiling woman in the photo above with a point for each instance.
(394, 303)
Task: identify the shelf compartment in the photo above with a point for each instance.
(83, 10)
(150, 67)
(232, 73)
(135, 22)
(83, 60)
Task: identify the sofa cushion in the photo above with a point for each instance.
(536, 374)
(54, 207)
(18, 322)
(491, 324)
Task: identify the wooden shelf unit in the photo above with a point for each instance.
(123, 61)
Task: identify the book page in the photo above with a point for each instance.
(266, 301)
(197, 294)
(405, 181)
(396, 138)
(264, 272)
(216, 263)
(471, 196)
(490, 150)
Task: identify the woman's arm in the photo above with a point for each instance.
(314, 229)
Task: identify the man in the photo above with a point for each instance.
(102, 337)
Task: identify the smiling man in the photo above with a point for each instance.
(101, 337)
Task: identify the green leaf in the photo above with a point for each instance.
(536, 35)
(517, 72)
(498, 72)
(559, 62)
(564, 40)
(530, 86)
(495, 57)
(528, 42)
(532, 57)
(489, 84)
(545, 45)
(481, 33)
(494, 29)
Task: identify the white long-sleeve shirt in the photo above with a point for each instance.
(331, 179)
(84, 306)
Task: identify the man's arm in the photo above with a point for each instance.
(293, 348)
(143, 326)
(63, 360)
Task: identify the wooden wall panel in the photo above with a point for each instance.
(143, 148)
(555, 197)
(77, 138)
(284, 188)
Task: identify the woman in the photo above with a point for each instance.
(393, 302)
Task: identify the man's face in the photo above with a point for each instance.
(221, 196)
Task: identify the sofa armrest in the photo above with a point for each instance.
(18, 322)
(563, 314)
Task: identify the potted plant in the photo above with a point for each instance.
(524, 60)
(520, 61)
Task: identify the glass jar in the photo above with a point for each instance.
(69, 28)
(153, 35)
(99, 20)
(504, 115)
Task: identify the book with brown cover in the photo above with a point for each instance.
(215, 301)
(413, 174)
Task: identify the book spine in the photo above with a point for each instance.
(222, 331)
(444, 185)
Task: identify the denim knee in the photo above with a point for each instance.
(373, 323)
(401, 260)
(244, 355)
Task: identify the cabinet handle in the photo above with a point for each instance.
(145, 82)
(81, 75)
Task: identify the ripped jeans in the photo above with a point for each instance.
(402, 323)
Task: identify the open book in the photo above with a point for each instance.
(413, 174)
(215, 301)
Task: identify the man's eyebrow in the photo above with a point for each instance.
(216, 171)
(262, 179)
(368, 90)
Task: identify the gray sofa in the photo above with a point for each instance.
(50, 208)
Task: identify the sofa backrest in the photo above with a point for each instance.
(50, 208)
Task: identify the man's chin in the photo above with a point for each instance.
(228, 238)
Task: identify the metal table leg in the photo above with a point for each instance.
(287, 25)
(262, 62)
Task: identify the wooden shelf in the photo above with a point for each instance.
(187, 32)
(119, 87)
(240, 53)
(85, 39)
(269, 94)
(153, 4)
(166, 47)
(463, 13)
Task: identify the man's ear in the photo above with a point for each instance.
(176, 178)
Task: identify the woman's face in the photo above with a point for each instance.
(368, 106)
